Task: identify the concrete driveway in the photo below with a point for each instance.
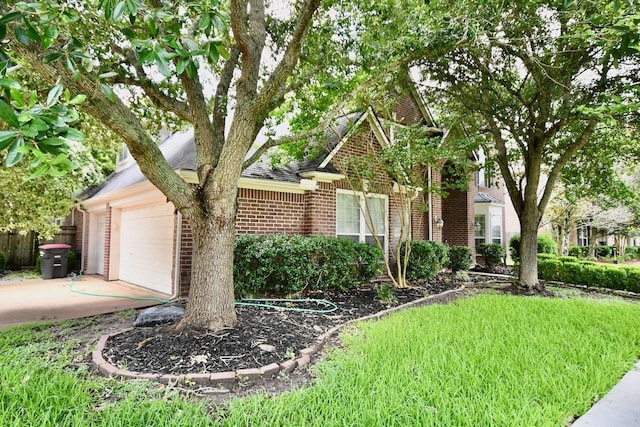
(31, 301)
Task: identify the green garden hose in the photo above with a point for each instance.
(249, 302)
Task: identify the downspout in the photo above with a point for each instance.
(176, 267)
(430, 204)
(82, 245)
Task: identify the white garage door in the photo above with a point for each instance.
(146, 246)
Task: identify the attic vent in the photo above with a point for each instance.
(124, 159)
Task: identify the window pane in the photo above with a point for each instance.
(480, 226)
(348, 215)
(376, 206)
(349, 237)
(369, 240)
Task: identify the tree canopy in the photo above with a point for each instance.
(543, 84)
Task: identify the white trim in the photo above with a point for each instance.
(139, 193)
(301, 187)
(378, 131)
(323, 176)
(344, 139)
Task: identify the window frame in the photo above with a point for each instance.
(363, 228)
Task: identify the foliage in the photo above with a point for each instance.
(223, 68)
(537, 83)
(72, 262)
(589, 273)
(386, 294)
(632, 253)
(546, 245)
(578, 251)
(568, 259)
(460, 258)
(285, 264)
(426, 260)
(458, 364)
(493, 254)
(3, 261)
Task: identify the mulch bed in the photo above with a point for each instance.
(262, 336)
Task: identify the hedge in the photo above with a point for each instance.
(578, 251)
(284, 264)
(426, 259)
(589, 273)
(460, 258)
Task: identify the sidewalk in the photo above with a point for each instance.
(619, 408)
(60, 299)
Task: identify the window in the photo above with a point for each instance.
(481, 229)
(496, 229)
(352, 223)
(583, 236)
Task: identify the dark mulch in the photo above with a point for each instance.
(159, 349)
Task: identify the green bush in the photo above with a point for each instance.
(568, 259)
(493, 254)
(632, 253)
(285, 264)
(426, 259)
(546, 256)
(578, 251)
(615, 278)
(460, 258)
(3, 262)
(604, 251)
(570, 272)
(546, 245)
(633, 279)
(592, 275)
(549, 269)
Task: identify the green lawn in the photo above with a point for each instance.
(487, 360)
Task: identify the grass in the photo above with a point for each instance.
(488, 360)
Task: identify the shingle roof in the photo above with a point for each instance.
(179, 150)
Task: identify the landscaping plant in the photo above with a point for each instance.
(460, 258)
(493, 254)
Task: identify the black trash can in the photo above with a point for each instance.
(53, 260)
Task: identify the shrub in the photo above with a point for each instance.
(568, 259)
(460, 258)
(631, 253)
(633, 279)
(3, 262)
(593, 275)
(570, 272)
(546, 256)
(546, 245)
(289, 264)
(493, 254)
(549, 269)
(604, 251)
(426, 259)
(615, 278)
(578, 251)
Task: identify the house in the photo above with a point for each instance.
(132, 233)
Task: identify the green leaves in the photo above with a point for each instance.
(7, 114)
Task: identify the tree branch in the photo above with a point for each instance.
(115, 116)
(503, 163)
(291, 56)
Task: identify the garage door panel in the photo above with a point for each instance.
(146, 246)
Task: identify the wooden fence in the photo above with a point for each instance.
(21, 250)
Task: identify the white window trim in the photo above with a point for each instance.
(363, 222)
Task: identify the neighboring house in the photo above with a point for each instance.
(132, 233)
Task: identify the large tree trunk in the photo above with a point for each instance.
(528, 273)
(211, 297)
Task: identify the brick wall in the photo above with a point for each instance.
(270, 212)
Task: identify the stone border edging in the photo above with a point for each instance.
(228, 378)
(604, 291)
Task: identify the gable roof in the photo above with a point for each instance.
(179, 150)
